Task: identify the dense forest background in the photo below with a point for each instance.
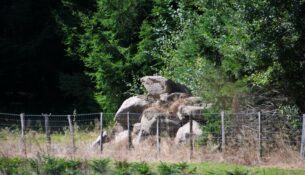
(57, 56)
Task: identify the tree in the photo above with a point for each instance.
(109, 41)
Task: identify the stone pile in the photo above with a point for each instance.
(172, 102)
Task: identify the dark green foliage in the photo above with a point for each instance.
(211, 128)
(100, 166)
(10, 166)
(60, 55)
(175, 169)
(106, 40)
(122, 168)
(141, 168)
(54, 166)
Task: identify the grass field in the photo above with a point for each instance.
(206, 160)
(55, 166)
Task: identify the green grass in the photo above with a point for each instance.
(222, 168)
(51, 165)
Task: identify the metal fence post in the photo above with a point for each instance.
(101, 127)
(223, 140)
(71, 133)
(302, 151)
(23, 134)
(129, 132)
(47, 129)
(158, 136)
(191, 137)
(259, 136)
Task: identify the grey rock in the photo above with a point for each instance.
(122, 136)
(173, 96)
(135, 106)
(196, 101)
(186, 111)
(193, 101)
(136, 128)
(183, 133)
(97, 141)
(157, 85)
(168, 124)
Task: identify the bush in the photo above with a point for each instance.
(100, 166)
(13, 166)
(141, 169)
(53, 166)
(175, 169)
(122, 168)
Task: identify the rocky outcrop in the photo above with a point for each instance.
(98, 139)
(186, 111)
(168, 101)
(183, 134)
(157, 85)
(135, 106)
(168, 124)
(120, 137)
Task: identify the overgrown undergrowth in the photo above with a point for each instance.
(244, 153)
(46, 165)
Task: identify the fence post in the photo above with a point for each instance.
(302, 152)
(129, 131)
(191, 137)
(101, 127)
(223, 140)
(23, 134)
(47, 128)
(71, 133)
(158, 136)
(259, 136)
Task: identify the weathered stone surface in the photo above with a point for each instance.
(136, 128)
(122, 136)
(157, 85)
(186, 111)
(97, 141)
(173, 96)
(135, 106)
(196, 101)
(193, 101)
(183, 134)
(168, 125)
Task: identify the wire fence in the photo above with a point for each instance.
(257, 135)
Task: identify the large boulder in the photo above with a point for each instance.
(183, 134)
(184, 112)
(97, 141)
(196, 101)
(122, 136)
(135, 106)
(136, 128)
(168, 124)
(157, 85)
(173, 96)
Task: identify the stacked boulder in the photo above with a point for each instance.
(171, 102)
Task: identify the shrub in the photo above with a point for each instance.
(175, 169)
(53, 166)
(122, 168)
(141, 169)
(13, 166)
(100, 166)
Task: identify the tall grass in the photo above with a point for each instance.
(241, 150)
(46, 165)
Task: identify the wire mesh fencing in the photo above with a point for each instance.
(251, 137)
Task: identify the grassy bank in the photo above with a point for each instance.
(58, 166)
